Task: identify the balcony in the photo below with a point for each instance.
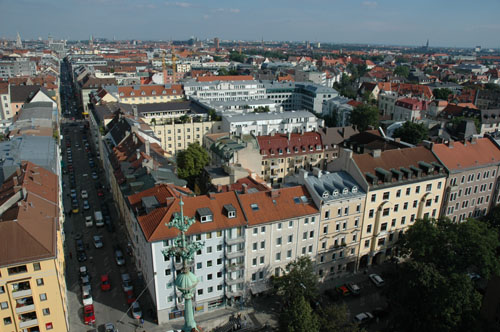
(235, 254)
(21, 293)
(235, 240)
(25, 305)
(274, 166)
(235, 267)
(233, 281)
(28, 323)
(234, 293)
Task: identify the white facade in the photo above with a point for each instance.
(225, 90)
(387, 102)
(266, 123)
(5, 105)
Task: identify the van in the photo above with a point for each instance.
(99, 222)
(88, 221)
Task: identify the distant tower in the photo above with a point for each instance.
(91, 41)
(50, 40)
(262, 42)
(308, 45)
(216, 42)
(427, 45)
(19, 42)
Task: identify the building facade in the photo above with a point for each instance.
(225, 90)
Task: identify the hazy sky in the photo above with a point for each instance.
(409, 22)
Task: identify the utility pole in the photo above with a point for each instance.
(186, 281)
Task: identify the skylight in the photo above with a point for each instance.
(254, 206)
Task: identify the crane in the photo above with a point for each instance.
(164, 67)
(174, 66)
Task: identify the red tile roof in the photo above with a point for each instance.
(280, 204)
(153, 224)
(299, 144)
(462, 156)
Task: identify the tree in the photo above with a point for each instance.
(443, 93)
(191, 161)
(402, 71)
(237, 57)
(335, 318)
(411, 132)
(297, 316)
(364, 115)
(433, 282)
(300, 280)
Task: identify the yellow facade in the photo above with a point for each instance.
(176, 137)
(390, 210)
(33, 296)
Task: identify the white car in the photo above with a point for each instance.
(85, 194)
(86, 295)
(120, 260)
(377, 280)
(363, 317)
(98, 242)
(86, 205)
(136, 310)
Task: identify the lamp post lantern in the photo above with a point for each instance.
(186, 281)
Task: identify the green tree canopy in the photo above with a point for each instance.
(365, 115)
(443, 93)
(300, 280)
(335, 318)
(412, 132)
(402, 71)
(191, 161)
(236, 56)
(297, 316)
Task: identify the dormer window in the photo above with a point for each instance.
(132, 93)
(280, 151)
(164, 92)
(303, 149)
(173, 91)
(335, 193)
(272, 152)
(311, 148)
(230, 211)
(205, 214)
(354, 189)
(154, 92)
(296, 149)
(326, 194)
(122, 94)
(254, 207)
(143, 93)
(345, 191)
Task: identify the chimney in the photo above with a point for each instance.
(274, 193)
(245, 188)
(376, 153)
(211, 195)
(138, 154)
(473, 140)
(148, 148)
(343, 132)
(15, 181)
(136, 112)
(302, 175)
(289, 135)
(219, 188)
(450, 143)
(18, 171)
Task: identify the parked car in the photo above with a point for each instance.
(353, 288)
(86, 281)
(86, 205)
(109, 327)
(98, 241)
(86, 295)
(136, 310)
(363, 318)
(85, 194)
(126, 282)
(95, 176)
(377, 280)
(343, 290)
(105, 283)
(83, 271)
(88, 315)
(120, 260)
(130, 297)
(81, 255)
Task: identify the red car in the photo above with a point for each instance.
(105, 283)
(88, 314)
(100, 193)
(130, 297)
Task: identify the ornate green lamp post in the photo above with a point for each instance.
(186, 281)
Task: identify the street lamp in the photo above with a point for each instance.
(186, 281)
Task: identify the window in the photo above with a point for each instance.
(327, 214)
(209, 263)
(306, 221)
(403, 220)
(254, 276)
(396, 207)
(356, 222)
(36, 266)
(417, 189)
(310, 249)
(254, 262)
(219, 261)
(200, 291)
(405, 206)
(386, 212)
(311, 234)
(290, 238)
(398, 193)
(43, 297)
(219, 287)
(415, 203)
(7, 321)
(383, 227)
(254, 246)
(339, 212)
(4, 305)
(255, 231)
(358, 208)
(210, 289)
(2, 290)
(381, 241)
(428, 202)
(278, 241)
(263, 229)
(290, 224)
(386, 195)
(219, 233)
(374, 197)
(278, 256)
(262, 244)
(304, 236)
(408, 191)
(370, 213)
(209, 276)
(209, 250)
(219, 247)
(17, 269)
(279, 225)
(367, 243)
(325, 229)
(439, 185)
(303, 250)
(261, 261)
(289, 254)
(412, 218)
(428, 187)
(369, 229)
(39, 281)
(46, 311)
(208, 235)
(346, 210)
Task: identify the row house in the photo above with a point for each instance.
(401, 186)
(341, 201)
(285, 154)
(219, 265)
(472, 166)
(144, 94)
(32, 276)
(282, 225)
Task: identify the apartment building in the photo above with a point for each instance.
(284, 154)
(266, 123)
(225, 90)
(5, 101)
(471, 188)
(176, 136)
(145, 94)
(219, 265)
(401, 186)
(282, 225)
(341, 201)
(32, 281)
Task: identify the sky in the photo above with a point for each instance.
(453, 23)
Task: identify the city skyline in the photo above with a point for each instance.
(386, 22)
